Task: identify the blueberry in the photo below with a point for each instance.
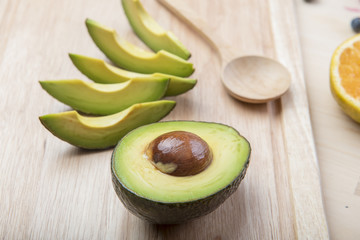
(355, 24)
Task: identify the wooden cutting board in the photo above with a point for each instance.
(52, 190)
(290, 203)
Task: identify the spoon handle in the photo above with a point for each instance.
(199, 25)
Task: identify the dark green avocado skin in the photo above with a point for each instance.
(173, 213)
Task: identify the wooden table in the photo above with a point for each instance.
(35, 37)
(323, 26)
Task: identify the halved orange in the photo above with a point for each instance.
(345, 76)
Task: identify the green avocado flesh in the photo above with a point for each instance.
(106, 131)
(150, 32)
(132, 58)
(101, 72)
(162, 198)
(104, 99)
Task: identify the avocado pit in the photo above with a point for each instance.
(179, 153)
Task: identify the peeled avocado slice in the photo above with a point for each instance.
(102, 72)
(106, 131)
(149, 31)
(166, 199)
(130, 57)
(104, 99)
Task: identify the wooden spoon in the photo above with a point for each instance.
(252, 79)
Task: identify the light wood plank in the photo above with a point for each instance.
(276, 37)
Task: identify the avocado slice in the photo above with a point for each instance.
(161, 198)
(101, 72)
(104, 99)
(149, 31)
(103, 132)
(130, 57)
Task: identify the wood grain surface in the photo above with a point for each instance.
(52, 190)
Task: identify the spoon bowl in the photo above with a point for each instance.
(255, 79)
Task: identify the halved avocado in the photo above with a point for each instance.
(130, 57)
(104, 99)
(145, 180)
(101, 72)
(106, 131)
(149, 31)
